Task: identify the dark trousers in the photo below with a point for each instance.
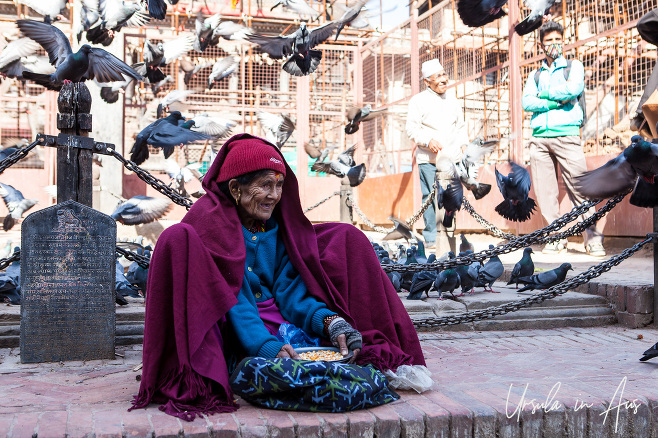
(427, 173)
(647, 27)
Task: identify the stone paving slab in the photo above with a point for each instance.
(487, 384)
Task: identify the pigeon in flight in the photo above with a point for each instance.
(181, 175)
(224, 67)
(489, 273)
(110, 92)
(209, 30)
(115, 15)
(167, 136)
(171, 97)
(538, 8)
(349, 16)
(650, 353)
(21, 55)
(160, 54)
(296, 47)
(546, 279)
(191, 69)
(141, 209)
(636, 166)
(476, 13)
(343, 166)
(50, 9)
(212, 126)
(298, 6)
(158, 8)
(523, 268)
(140, 152)
(315, 150)
(277, 127)
(401, 231)
(468, 167)
(356, 115)
(451, 200)
(516, 205)
(16, 203)
(86, 63)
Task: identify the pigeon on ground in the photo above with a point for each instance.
(115, 15)
(350, 15)
(16, 204)
(538, 8)
(451, 200)
(343, 165)
(393, 276)
(277, 127)
(298, 6)
(546, 279)
(492, 270)
(171, 97)
(407, 277)
(224, 67)
(356, 115)
(447, 280)
(50, 9)
(516, 205)
(468, 167)
(86, 63)
(636, 166)
(468, 274)
(421, 282)
(523, 268)
(476, 13)
(296, 47)
(465, 245)
(121, 284)
(138, 276)
(161, 54)
(650, 353)
(141, 209)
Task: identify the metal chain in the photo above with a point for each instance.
(485, 223)
(412, 220)
(154, 182)
(8, 261)
(538, 236)
(552, 292)
(317, 204)
(18, 155)
(141, 260)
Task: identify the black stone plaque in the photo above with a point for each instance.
(67, 284)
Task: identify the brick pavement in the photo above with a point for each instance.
(578, 370)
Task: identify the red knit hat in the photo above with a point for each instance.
(248, 155)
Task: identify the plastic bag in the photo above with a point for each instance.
(416, 377)
(293, 335)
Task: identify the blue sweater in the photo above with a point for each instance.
(270, 274)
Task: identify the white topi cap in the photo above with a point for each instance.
(431, 67)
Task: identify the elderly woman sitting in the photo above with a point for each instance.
(243, 261)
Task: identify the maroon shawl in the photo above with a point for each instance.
(196, 273)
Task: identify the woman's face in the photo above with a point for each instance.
(259, 197)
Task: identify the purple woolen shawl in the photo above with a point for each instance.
(196, 273)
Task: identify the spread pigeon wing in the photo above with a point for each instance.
(51, 39)
(142, 209)
(18, 49)
(50, 8)
(500, 180)
(475, 151)
(613, 177)
(521, 178)
(174, 49)
(105, 67)
(322, 33)
(277, 46)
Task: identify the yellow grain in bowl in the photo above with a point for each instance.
(325, 355)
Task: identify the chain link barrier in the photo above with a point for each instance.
(16, 256)
(552, 292)
(491, 228)
(319, 203)
(141, 260)
(17, 156)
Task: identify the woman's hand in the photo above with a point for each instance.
(345, 337)
(342, 345)
(288, 351)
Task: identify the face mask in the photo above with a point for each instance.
(553, 51)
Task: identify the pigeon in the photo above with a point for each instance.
(50, 9)
(158, 8)
(546, 279)
(190, 69)
(16, 204)
(356, 115)
(650, 353)
(407, 277)
(489, 273)
(141, 209)
(115, 15)
(232, 31)
(296, 47)
(516, 205)
(17, 49)
(523, 268)
(110, 92)
(212, 126)
(4, 153)
(636, 167)
(277, 127)
(465, 245)
(209, 30)
(476, 13)
(221, 69)
(168, 136)
(89, 15)
(401, 230)
(538, 8)
(155, 87)
(181, 175)
(422, 281)
(298, 6)
(14, 270)
(121, 284)
(343, 166)
(86, 63)
(350, 15)
(171, 97)
(160, 54)
(9, 290)
(140, 152)
(468, 275)
(137, 276)
(32, 64)
(447, 280)
(468, 167)
(451, 200)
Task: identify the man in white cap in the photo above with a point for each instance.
(435, 122)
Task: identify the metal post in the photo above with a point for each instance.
(655, 268)
(345, 205)
(515, 85)
(74, 174)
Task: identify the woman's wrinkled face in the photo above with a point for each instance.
(258, 198)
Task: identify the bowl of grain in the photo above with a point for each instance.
(324, 354)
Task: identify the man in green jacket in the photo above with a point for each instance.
(552, 97)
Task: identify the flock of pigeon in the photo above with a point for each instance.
(464, 277)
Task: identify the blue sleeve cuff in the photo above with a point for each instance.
(317, 322)
(270, 349)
